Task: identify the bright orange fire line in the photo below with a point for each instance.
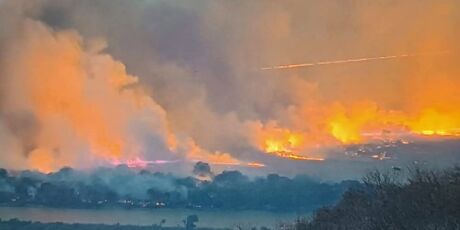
(255, 165)
(248, 164)
(295, 156)
(343, 61)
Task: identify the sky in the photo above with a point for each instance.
(169, 83)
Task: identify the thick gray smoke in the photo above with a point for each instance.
(122, 180)
(193, 69)
(202, 170)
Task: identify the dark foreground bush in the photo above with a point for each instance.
(425, 200)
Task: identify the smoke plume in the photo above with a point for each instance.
(85, 83)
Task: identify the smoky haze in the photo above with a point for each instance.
(84, 83)
(131, 188)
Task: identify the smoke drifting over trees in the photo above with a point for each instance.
(202, 169)
(124, 187)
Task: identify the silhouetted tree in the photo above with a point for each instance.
(190, 222)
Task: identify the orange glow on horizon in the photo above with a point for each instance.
(88, 109)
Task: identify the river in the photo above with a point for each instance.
(173, 217)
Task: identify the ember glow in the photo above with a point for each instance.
(255, 165)
(284, 143)
(284, 148)
(293, 156)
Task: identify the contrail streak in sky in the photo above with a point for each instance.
(352, 60)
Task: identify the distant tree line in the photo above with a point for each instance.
(124, 187)
(425, 199)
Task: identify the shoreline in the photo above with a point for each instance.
(147, 217)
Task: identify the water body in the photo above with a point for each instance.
(173, 217)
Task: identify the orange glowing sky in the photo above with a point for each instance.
(78, 89)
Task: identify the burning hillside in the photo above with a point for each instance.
(86, 87)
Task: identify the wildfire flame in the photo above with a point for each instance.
(293, 156)
(431, 112)
(83, 106)
(283, 143)
(358, 124)
(255, 165)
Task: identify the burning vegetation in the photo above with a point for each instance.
(86, 93)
